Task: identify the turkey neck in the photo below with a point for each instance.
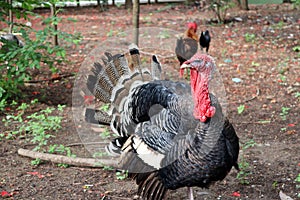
(200, 92)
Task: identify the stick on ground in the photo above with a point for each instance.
(79, 162)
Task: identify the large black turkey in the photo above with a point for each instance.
(171, 134)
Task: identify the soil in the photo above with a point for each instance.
(269, 73)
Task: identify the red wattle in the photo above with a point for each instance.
(199, 86)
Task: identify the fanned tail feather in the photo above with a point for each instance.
(150, 186)
(112, 81)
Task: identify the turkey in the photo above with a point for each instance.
(187, 46)
(170, 134)
(10, 39)
(204, 40)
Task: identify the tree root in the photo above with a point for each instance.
(79, 162)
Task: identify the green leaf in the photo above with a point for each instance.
(241, 109)
(298, 178)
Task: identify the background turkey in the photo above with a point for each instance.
(204, 40)
(11, 40)
(187, 46)
(171, 134)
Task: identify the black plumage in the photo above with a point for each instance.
(163, 145)
(11, 39)
(204, 40)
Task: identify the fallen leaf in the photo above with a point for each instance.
(291, 125)
(291, 132)
(36, 174)
(55, 76)
(5, 194)
(236, 194)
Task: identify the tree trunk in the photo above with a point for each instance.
(53, 14)
(10, 15)
(128, 4)
(244, 4)
(136, 16)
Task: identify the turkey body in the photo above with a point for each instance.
(161, 143)
(12, 38)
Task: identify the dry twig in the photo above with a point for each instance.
(80, 162)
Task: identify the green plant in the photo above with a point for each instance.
(37, 125)
(104, 107)
(244, 165)
(250, 37)
(282, 78)
(110, 33)
(121, 175)
(243, 174)
(297, 180)
(220, 8)
(240, 109)
(249, 144)
(16, 61)
(255, 64)
(296, 3)
(284, 112)
(36, 161)
(279, 25)
(274, 184)
(296, 48)
(105, 134)
(61, 149)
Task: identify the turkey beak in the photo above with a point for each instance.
(185, 65)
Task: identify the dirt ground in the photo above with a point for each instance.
(269, 73)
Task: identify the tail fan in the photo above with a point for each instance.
(97, 117)
(155, 68)
(112, 82)
(150, 186)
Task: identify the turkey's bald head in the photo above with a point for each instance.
(201, 69)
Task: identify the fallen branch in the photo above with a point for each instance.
(79, 162)
(51, 79)
(82, 144)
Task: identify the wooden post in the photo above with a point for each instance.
(136, 16)
(10, 15)
(244, 4)
(53, 14)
